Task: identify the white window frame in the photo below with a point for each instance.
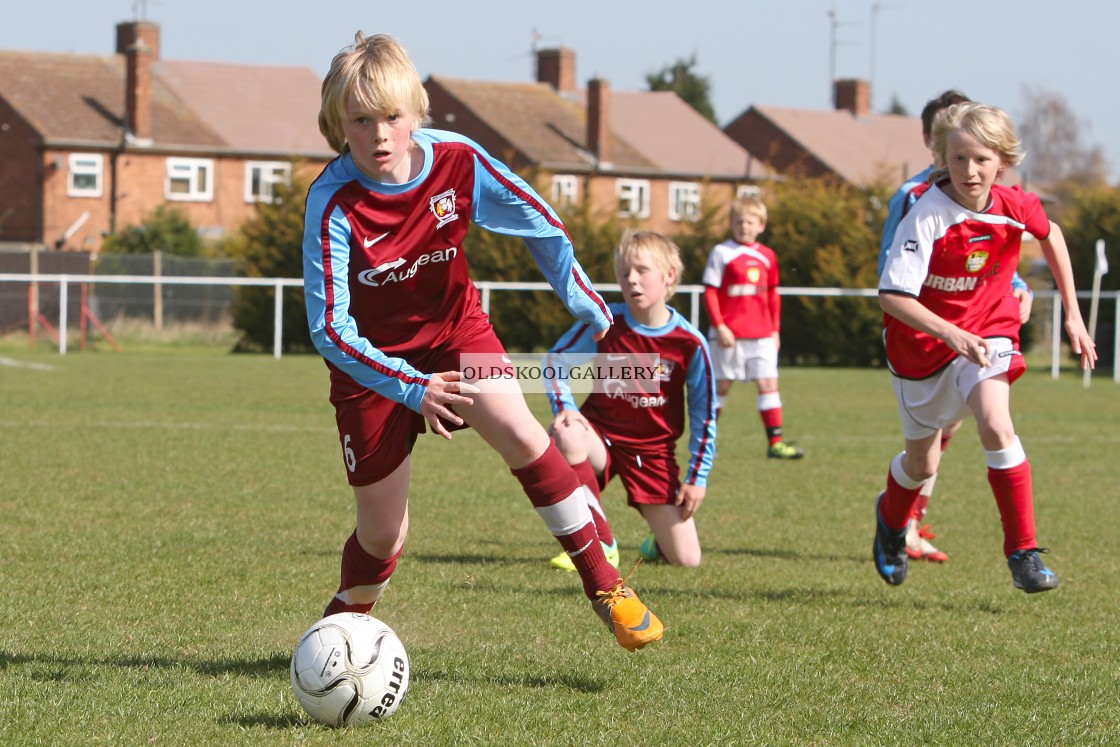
(633, 198)
(85, 165)
(565, 190)
(266, 175)
(196, 173)
(748, 190)
(684, 201)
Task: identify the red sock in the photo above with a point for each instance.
(897, 504)
(772, 420)
(364, 577)
(919, 511)
(556, 493)
(586, 475)
(1015, 498)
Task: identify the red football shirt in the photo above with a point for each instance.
(745, 278)
(959, 265)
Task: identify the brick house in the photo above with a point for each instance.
(645, 157)
(89, 144)
(847, 142)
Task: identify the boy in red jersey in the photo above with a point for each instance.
(952, 331)
(636, 437)
(391, 308)
(918, 535)
(741, 296)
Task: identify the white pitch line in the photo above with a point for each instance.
(13, 363)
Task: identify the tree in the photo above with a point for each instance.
(897, 107)
(1052, 137)
(270, 245)
(166, 229)
(826, 235)
(695, 90)
(1091, 213)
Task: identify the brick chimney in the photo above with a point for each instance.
(854, 95)
(138, 41)
(599, 119)
(557, 67)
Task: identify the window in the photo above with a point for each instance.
(189, 179)
(684, 201)
(85, 175)
(565, 190)
(633, 198)
(262, 176)
(747, 190)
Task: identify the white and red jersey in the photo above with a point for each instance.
(744, 283)
(959, 265)
(385, 271)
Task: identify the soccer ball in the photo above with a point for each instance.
(349, 669)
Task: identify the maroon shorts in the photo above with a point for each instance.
(649, 477)
(377, 434)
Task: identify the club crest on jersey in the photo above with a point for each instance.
(443, 208)
(753, 274)
(665, 369)
(976, 261)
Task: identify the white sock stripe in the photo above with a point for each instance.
(593, 502)
(900, 475)
(769, 401)
(927, 487)
(362, 594)
(1012, 456)
(581, 550)
(568, 516)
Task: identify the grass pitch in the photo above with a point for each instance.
(172, 522)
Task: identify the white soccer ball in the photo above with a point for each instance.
(349, 669)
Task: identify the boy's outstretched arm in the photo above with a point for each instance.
(1057, 256)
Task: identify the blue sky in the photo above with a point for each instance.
(775, 52)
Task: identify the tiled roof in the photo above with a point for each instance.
(271, 110)
(546, 128)
(678, 138)
(858, 149)
(266, 108)
(80, 98)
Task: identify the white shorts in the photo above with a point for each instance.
(928, 405)
(747, 360)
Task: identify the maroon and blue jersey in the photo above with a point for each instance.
(653, 421)
(384, 267)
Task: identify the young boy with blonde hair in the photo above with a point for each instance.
(741, 296)
(391, 308)
(635, 437)
(952, 331)
(918, 534)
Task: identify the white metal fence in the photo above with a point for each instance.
(66, 282)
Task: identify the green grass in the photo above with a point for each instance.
(172, 522)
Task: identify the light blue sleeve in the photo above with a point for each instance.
(701, 384)
(1017, 283)
(578, 341)
(899, 204)
(338, 341)
(890, 226)
(504, 203)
